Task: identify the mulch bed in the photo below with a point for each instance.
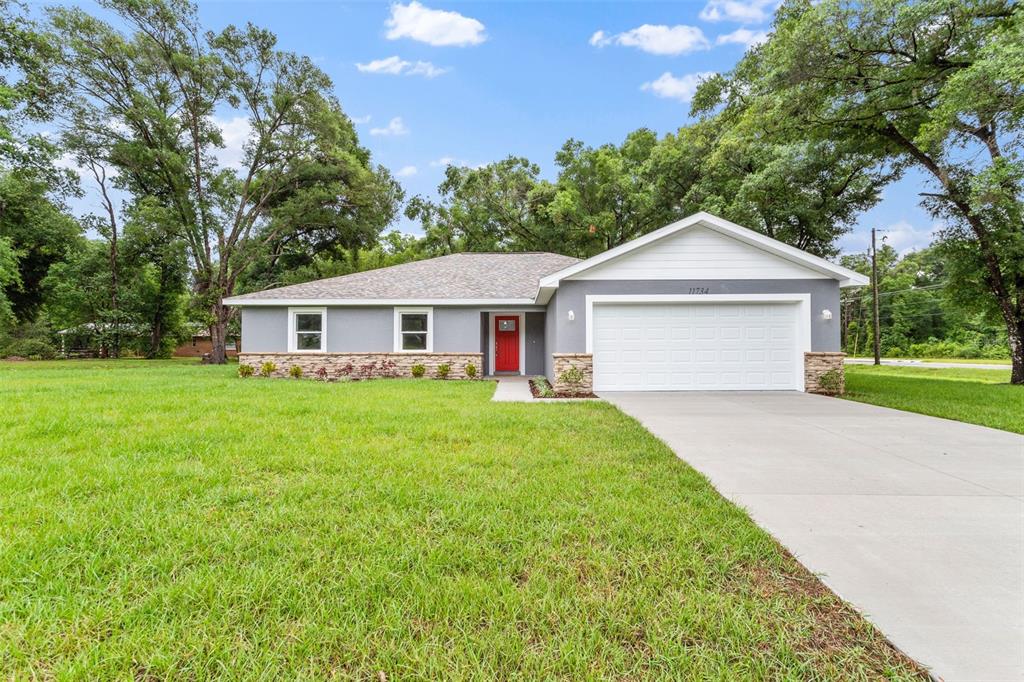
(538, 393)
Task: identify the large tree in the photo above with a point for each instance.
(151, 96)
(936, 84)
(496, 207)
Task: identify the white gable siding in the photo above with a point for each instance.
(698, 253)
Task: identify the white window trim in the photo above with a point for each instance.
(292, 345)
(522, 338)
(398, 329)
(803, 324)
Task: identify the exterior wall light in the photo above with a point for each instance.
(572, 316)
(826, 314)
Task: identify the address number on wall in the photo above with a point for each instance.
(699, 290)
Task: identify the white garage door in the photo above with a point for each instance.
(695, 346)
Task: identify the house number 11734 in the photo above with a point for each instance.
(698, 290)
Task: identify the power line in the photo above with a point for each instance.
(898, 291)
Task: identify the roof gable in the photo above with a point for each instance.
(670, 253)
(698, 253)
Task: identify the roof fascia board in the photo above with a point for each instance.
(242, 301)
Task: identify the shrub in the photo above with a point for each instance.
(573, 378)
(295, 372)
(418, 371)
(471, 370)
(442, 371)
(831, 382)
(245, 371)
(267, 368)
(321, 373)
(544, 389)
(33, 349)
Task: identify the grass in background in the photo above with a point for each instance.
(976, 396)
(170, 520)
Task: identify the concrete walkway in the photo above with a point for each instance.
(512, 389)
(920, 363)
(917, 521)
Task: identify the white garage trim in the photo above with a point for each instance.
(802, 301)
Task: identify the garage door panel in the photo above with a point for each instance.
(695, 346)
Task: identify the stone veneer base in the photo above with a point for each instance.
(818, 364)
(335, 363)
(563, 361)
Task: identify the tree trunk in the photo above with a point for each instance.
(218, 333)
(1016, 338)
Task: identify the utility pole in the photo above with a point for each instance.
(874, 297)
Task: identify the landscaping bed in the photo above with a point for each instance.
(541, 388)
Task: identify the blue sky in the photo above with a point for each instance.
(473, 82)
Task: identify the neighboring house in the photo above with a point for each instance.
(702, 304)
(201, 344)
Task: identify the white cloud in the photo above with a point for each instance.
(236, 132)
(742, 36)
(902, 235)
(396, 66)
(446, 161)
(600, 39)
(432, 26)
(742, 11)
(682, 88)
(407, 171)
(360, 120)
(656, 39)
(395, 127)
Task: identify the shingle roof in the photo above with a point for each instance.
(458, 276)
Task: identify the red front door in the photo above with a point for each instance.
(506, 343)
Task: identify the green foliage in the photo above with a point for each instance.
(418, 371)
(471, 370)
(831, 382)
(543, 387)
(245, 371)
(38, 234)
(304, 184)
(442, 371)
(572, 377)
(267, 369)
(295, 372)
(32, 340)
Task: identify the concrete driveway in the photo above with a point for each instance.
(917, 521)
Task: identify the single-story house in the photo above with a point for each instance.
(701, 304)
(201, 344)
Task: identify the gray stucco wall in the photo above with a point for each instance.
(264, 330)
(371, 329)
(550, 333)
(359, 330)
(571, 337)
(535, 355)
(456, 330)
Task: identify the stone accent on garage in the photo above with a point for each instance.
(816, 365)
(365, 365)
(564, 361)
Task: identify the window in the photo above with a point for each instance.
(230, 344)
(307, 329)
(413, 330)
(506, 325)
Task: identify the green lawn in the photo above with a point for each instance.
(169, 520)
(977, 396)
